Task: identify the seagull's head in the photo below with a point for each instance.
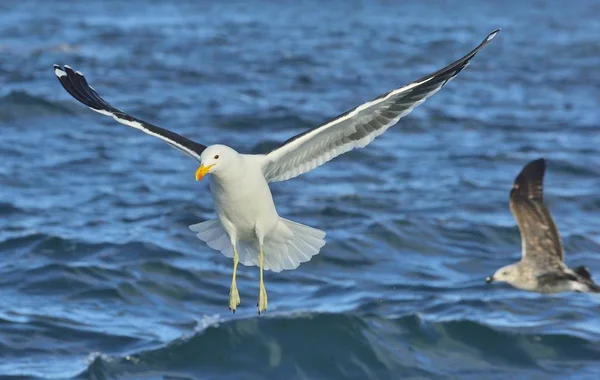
(215, 159)
(509, 274)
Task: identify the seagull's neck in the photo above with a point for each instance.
(234, 173)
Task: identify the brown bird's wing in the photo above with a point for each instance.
(539, 236)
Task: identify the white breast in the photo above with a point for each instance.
(243, 201)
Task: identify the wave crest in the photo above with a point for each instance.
(18, 104)
(313, 345)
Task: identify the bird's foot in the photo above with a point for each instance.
(234, 297)
(262, 299)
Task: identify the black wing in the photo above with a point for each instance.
(76, 85)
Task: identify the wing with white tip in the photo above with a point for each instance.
(359, 126)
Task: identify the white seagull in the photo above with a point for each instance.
(248, 227)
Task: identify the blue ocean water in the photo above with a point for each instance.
(100, 277)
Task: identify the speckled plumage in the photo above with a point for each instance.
(542, 268)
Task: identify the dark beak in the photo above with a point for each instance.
(489, 279)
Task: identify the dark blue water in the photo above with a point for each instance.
(101, 278)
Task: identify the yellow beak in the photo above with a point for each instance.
(202, 171)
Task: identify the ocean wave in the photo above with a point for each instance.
(9, 209)
(63, 248)
(129, 273)
(19, 104)
(580, 243)
(314, 345)
(49, 327)
(579, 169)
(275, 117)
(29, 339)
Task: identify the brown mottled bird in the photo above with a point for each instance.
(542, 268)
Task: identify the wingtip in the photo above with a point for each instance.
(492, 35)
(532, 171)
(537, 164)
(58, 71)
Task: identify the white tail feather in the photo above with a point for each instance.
(285, 248)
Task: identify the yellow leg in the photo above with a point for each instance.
(262, 292)
(234, 295)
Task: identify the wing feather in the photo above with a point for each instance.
(539, 235)
(77, 86)
(359, 126)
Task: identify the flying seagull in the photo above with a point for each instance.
(248, 227)
(542, 268)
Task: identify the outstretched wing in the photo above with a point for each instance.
(76, 85)
(539, 236)
(359, 126)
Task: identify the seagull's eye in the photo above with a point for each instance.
(217, 157)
